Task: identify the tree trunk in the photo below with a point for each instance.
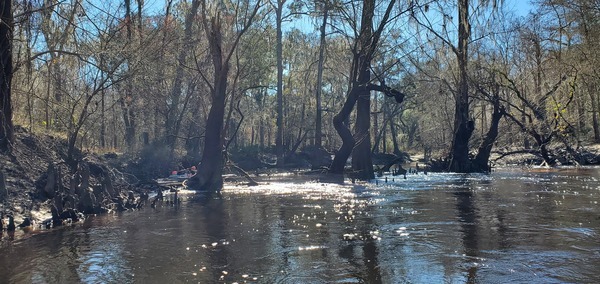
(171, 127)
(340, 125)
(279, 50)
(3, 190)
(481, 162)
(103, 119)
(384, 129)
(463, 126)
(127, 100)
(359, 94)
(375, 131)
(394, 133)
(360, 76)
(596, 127)
(210, 169)
(319, 87)
(6, 38)
(261, 133)
(362, 163)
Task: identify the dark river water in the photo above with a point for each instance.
(510, 226)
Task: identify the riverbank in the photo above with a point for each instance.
(41, 187)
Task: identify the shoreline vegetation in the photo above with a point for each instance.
(39, 190)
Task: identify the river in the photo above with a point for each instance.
(528, 226)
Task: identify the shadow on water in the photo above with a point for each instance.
(468, 217)
(364, 243)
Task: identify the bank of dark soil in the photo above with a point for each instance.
(41, 186)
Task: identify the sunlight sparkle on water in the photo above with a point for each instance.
(312, 248)
(308, 190)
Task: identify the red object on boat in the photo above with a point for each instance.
(174, 172)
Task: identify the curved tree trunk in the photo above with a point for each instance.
(481, 162)
(341, 156)
(359, 94)
(360, 76)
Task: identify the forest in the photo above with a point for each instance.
(201, 82)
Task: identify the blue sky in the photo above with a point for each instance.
(521, 7)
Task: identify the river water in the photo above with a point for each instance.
(511, 226)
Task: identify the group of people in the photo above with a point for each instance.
(185, 173)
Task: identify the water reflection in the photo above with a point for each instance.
(439, 228)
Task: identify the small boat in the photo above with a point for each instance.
(180, 175)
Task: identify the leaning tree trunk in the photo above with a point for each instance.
(6, 69)
(481, 162)
(210, 169)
